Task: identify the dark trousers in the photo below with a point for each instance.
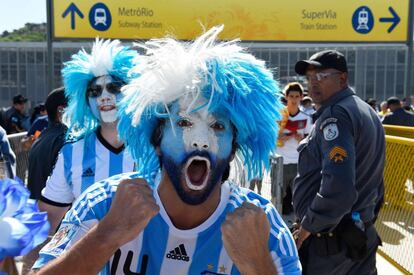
(340, 264)
(21, 165)
(289, 173)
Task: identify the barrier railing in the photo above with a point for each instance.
(22, 156)
(395, 223)
(276, 178)
(399, 131)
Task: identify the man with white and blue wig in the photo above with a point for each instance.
(93, 84)
(193, 108)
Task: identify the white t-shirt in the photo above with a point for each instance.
(300, 123)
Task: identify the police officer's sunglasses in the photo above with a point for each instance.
(113, 87)
(321, 76)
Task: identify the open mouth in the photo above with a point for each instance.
(197, 170)
(106, 108)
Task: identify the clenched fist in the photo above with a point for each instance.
(131, 210)
(245, 234)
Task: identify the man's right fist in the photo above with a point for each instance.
(131, 210)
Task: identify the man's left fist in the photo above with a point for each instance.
(245, 234)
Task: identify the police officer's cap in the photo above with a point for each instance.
(329, 59)
(19, 99)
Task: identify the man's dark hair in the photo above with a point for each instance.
(407, 104)
(393, 101)
(371, 102)
(36, 112)
(19, 99)
(55, 99)
(293, 87)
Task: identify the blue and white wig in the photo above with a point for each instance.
(232, 80)
(107, 58)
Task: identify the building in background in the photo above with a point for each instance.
(375, 70)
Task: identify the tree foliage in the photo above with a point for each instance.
(31, 32)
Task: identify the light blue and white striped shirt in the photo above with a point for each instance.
(82, 163)
(164, 249)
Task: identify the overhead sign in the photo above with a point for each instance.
(261, 20)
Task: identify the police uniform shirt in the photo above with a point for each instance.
(82, 163)
(341, 164)
(15, 121)
(164, 249)
(38, 125)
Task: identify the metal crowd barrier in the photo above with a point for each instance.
(395, 223)
(22, 156)
(400, 131)
(272, 182)
(276, 180)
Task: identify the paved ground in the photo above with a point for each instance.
(385, 268)
(395, 225)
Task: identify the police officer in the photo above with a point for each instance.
(16, 120)
(339, 188)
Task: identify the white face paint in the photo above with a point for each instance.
(200, 136)
(189, 137)
(104, 105)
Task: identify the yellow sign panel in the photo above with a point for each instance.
(262, 20)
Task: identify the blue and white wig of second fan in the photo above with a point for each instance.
(106, 58)
(231, 80)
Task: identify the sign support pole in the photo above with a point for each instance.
(49, 46)
(409, 59)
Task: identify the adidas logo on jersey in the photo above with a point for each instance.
(178, 253)
(88, 173)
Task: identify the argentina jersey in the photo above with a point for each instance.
(80, 164)
(164, 249)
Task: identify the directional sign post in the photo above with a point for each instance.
(49, 15)
(395, 19)
(73, 10)
(262, 20)
(409, 60)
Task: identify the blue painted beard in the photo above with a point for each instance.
(176, 172)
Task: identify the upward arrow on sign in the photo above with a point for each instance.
(395, 19)
(72, 9)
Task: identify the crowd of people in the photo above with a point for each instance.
(131, 159)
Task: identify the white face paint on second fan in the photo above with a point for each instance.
(103, 106)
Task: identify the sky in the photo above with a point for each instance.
(15, 13)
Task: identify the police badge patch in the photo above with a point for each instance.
(330, 132)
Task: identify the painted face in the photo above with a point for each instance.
(103, 95)
(195, 150)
